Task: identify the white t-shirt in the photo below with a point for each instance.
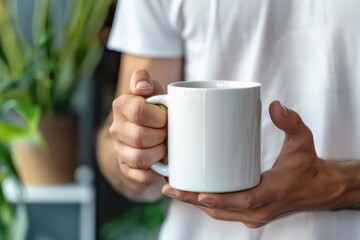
(304, 53)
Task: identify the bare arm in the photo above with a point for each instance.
(119, 151)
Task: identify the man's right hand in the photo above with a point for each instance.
(133, 137)
(138, 131)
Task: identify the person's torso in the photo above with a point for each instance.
(306, 54)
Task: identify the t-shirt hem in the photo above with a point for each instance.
(144, 52)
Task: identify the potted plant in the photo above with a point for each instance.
(45, 69)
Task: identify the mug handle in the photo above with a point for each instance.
(159, 167)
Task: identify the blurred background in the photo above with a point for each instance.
(57, 83)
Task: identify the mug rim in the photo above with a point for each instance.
(214, 85)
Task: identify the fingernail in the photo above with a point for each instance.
(207, 202)
(143, 85)
(284, 110)
(170, 193)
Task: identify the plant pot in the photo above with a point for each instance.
(55, 164)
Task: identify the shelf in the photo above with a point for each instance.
(67, 193)
(81, 193)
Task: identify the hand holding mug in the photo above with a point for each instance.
(139, 133)
(298, 181)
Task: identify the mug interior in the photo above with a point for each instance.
(215, 84)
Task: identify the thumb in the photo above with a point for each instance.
(141, 83)
(296, 132)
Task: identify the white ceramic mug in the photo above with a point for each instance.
(213, 135)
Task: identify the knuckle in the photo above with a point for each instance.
(184, 197)
(137, 159)
(254, 225)
(139, 176)
(123, 168)
(309, 134)
(131, 158)
(138, 139)
(144, 179)
(299, 122)
(131, 107)
(263, 216)
(214, 213)
(137, 109)
(141, 74)
(118, 103)
(113, 130)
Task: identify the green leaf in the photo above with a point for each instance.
(11, 47)
(7, 167)
(39, 19)
(30, 116)
(10, 132)
(21, 87)
(139, 222)
(29, 113)
(2, 55)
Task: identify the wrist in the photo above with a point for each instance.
(349, 174)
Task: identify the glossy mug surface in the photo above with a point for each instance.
(214, 130)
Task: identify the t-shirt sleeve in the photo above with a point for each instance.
(142, 27)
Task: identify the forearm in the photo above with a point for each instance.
(109, 166)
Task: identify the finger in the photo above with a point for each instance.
(184, 196)
(138, 136)
(245, 200)
(191, 197)
(136, 110)
(296, 132)
(256, 220)
(141, 83)
(139, 158)
(286, 119)
(220, 214)
(226, 215)
(145, 177)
